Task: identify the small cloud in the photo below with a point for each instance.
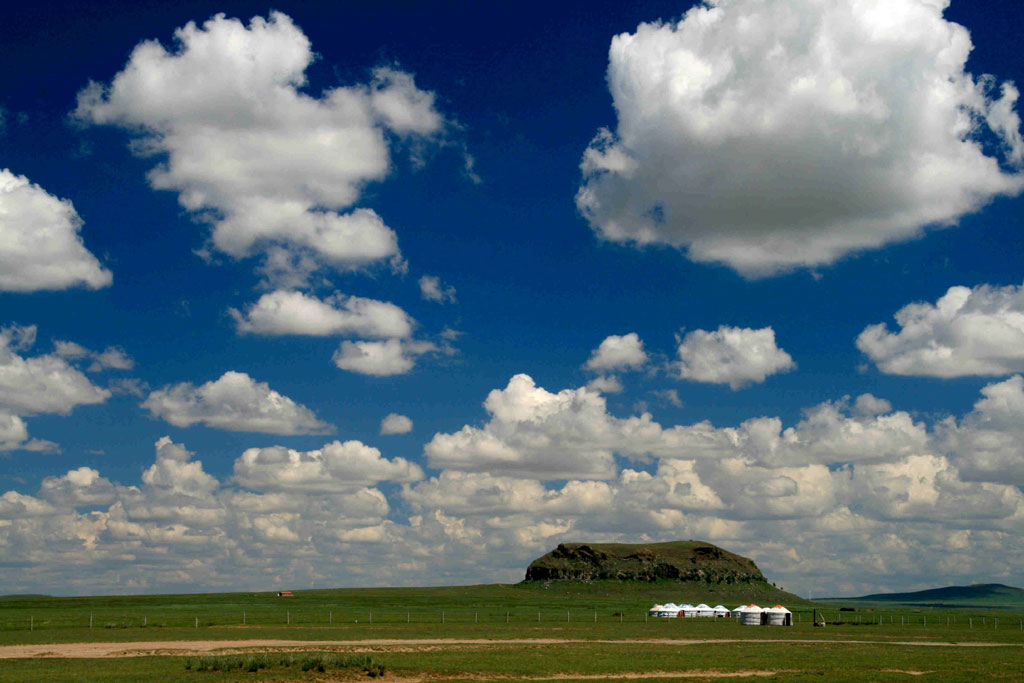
(395, 424)
(129, 386)
(606, 384)
(669, 396)
(381, 358)
(618, 353)
(111, 358)
(731, 355)
(450, 334)
(285, 312)
(432, 290)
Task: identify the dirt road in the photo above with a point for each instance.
(195, 647)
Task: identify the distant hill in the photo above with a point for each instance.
(988, 595)
(677, 571)
(678, 560)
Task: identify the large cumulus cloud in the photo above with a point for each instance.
(235, 402)
(736, 356)
(32, 385)
(774, 135)
(275, 170)
(967, 331)
(40, 244)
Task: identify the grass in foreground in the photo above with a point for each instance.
(511, 662)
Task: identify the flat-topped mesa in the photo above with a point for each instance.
(677, 560)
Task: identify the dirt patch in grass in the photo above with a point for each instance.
(909, 673)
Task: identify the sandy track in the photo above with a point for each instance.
(194, 647)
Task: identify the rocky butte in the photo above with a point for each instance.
(685, 561)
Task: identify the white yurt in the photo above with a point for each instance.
(689, 611)
(655, 611)
(751, 615)
(705, 611)
(779, 616)
(736, 611)
(721, 611)
(669, 610)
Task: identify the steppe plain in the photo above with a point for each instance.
(493, 633)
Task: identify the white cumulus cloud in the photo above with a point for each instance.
(290, 312)
(381, 358)
(274, 169)
(335, 467)
(395, 424)
(736, 356)
(235, 402)
(40, 384)
(534, 433)
(968, 331)
(775, 135)
(40, 244)
(987, 444)
(14, 436)
(618, 352)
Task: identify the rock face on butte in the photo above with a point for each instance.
(677, 560)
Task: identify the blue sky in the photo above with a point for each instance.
(628, 273)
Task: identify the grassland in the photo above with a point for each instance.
(501, 632)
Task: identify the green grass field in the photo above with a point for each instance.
(870, 645)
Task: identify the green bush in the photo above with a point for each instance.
(318, 662)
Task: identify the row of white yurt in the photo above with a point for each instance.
(748, 615)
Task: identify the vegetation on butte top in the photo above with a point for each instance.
(693, 567)
(679, 560)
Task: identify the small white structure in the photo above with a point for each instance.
(655, 611)
(669, 610)
(751, 615)
(721, 611)
(778, 616)
(689, 611)
(736, 611)
(705, 610)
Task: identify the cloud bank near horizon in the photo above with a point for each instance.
(851, 471)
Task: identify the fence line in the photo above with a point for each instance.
(273, 616)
